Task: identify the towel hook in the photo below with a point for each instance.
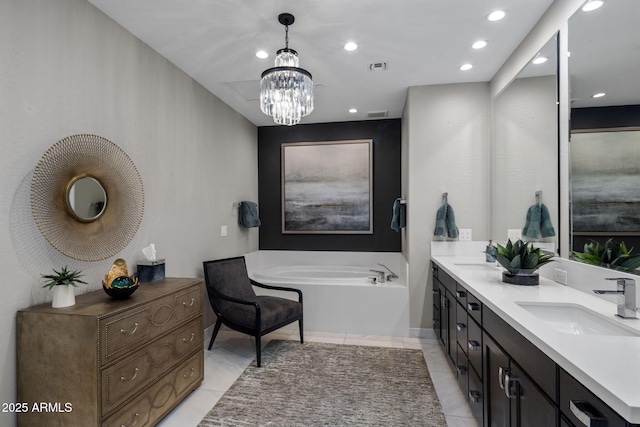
(538, 197)
(445, 197)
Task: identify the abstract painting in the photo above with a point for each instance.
(327, 187)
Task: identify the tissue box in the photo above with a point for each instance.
(151, 271)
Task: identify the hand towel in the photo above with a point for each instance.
(451, 223)
(538, 222)
(546, 229)
(248, 215)
(441, 225)
(399, 219)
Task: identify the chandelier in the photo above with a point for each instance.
(286, 91)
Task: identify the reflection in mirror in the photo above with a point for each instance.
(605, 143)
(85, 198)
(525, 149)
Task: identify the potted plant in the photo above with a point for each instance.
(521, 261)
(61, 282)
(610, 255)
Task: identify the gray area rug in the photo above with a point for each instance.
(316, 384)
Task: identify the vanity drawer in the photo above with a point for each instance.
(123, 379)
(125, 332)
(475, 395)
(461, 294)
(461, 327)
(447, 281)
(474, 308)
(160, 398)
(579, 405)
(474, 346)
(462, 368)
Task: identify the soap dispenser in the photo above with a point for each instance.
(490, 252)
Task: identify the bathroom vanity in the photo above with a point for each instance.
(106, 362)
(528, 355)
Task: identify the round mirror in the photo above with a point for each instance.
(85, 198)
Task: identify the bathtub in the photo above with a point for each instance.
(339, 293)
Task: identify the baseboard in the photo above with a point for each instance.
(422, 333)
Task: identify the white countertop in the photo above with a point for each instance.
(609, 366)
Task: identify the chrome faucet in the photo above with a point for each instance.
(380, 278)
(626, 296)
(391, 274)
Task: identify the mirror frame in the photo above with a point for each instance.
(87, 155)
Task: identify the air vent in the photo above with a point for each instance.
(377, 114)
(378, 66)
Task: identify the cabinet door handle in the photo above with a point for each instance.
(436, 291)
(501, 373)
(473, 306)
(462, 370)
(474, 396)
(474, 345)
(508, 380)
(135, 374)
(135, 420)
(461, 294)
(133, 331)
(190, 304)
(586, 414)
(460, 326)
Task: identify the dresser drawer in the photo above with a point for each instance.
(121, 380)
(154, 403)
(125, 332)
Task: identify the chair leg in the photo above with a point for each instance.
(215, 332)
(301, 331)
(258, 350)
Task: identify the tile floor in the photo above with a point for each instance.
(232, 353)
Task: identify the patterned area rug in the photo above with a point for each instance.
(316, 384)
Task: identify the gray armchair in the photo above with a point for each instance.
(237, 306)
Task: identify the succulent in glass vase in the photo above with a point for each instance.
(521, 261)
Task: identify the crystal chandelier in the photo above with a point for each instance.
(286, 91)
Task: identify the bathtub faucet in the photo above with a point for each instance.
(391, 274)
(380, 278)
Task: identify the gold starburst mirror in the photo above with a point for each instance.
(87, 197)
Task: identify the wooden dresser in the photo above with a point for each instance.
(106, 362)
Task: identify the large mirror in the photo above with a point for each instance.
(525, 153)
(604, 61)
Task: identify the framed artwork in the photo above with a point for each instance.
(605, 181)
(327, 187)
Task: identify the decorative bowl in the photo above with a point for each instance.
(121, 287)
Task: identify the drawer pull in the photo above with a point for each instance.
(184, 303)
(135, 374)
(474, 345)
(474, 396)
(586, 414)
(460, 326)
(190, 339)
(461, 294)
(473, 306)
(462, 370)
(193, 371)
(501, 373)
(135, 420)
(133, 331)
(508, 380)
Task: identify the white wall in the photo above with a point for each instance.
(447, 146)
(66, 68)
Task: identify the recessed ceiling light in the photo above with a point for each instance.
(496, 15)
(466, 67)
(262, 54)
(479, 44)
(540, 60)
(350, 46)
(598, 95)
(592, 5)
(353, 110)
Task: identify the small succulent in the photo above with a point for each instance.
(521, 256)
(610, 255)
(62, 277)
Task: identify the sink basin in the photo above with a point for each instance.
(576, 320)
(477, 266)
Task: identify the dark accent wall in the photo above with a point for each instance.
(386, 185)
(603, 118)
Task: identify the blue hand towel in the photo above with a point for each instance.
(248, 215)
(546, 229)
(451, 223)
(399, 219)
(441, 224)
(538, 222)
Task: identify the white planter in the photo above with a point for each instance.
(63, 296)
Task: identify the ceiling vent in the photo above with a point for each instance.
(378, 66)
(377, 114)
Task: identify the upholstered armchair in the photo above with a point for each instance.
(237, 306)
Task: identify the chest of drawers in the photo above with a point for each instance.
(111, 362)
